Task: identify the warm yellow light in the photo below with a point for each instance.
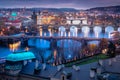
(14, 46)
(26, 48)
(47, 19)
(104, 51)
(55, 54)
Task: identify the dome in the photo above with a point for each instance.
(20, 56)
(14, 14)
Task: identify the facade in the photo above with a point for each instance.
(16, 23)
(23, 66)
(79, 21)
(14, 63)
(45, 18)
(34, 18)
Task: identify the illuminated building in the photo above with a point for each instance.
(76, 21)
(14, 63)
(45, 18)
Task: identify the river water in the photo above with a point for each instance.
(62, 49)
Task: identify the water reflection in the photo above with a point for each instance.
(55, 54)
(97, 30)
(14, 46)
(85, 30)
(62, 31)
(40, 43)
(50, 31)
(41, 32)
(69, 48)
(108, 30)
(56, 51)
(73, 31)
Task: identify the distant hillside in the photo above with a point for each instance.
(40, 9)
(56, 9)
(109, 8)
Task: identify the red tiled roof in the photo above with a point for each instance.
(13, 21)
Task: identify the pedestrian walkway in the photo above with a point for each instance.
(55, 72)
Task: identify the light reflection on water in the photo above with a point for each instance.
(67, 48)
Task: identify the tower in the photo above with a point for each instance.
(34, 17)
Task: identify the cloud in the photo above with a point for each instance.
(58, 3)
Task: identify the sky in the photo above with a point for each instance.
(77, 4)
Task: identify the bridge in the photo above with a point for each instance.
(49, 38)
(6, 40)
(67, 26)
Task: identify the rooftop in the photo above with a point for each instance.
(20, 56)
(83, 73)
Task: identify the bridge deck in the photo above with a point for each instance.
(48, 38)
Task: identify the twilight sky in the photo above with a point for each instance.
(78, 4)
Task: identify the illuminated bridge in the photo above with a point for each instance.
(48, 38)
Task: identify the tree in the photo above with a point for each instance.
(111, 49)
(92, 47)
(103, 44)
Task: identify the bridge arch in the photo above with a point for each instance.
(70, 48)
(97, 30)
(73, 30)
(76, 22)
(85, 30)
(62, 31)
(108, 30)
(39, 43)
(119, 29)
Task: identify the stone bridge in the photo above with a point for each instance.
(6, 40)
(48, 38)
(78, 26)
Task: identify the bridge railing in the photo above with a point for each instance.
(49, 37)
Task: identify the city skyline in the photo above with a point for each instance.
(77, 4)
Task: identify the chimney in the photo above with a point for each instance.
(36, 64)
(37, 69)
(25, 62)
(30, 60)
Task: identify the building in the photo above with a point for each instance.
(34, 18)
(14, 64)
(23, 66)
(45, 18)
(15, 23)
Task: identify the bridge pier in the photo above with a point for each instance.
(103, 29)
(24, 42)
(3, 42)
(53, 44)
(91, 29)
(116, 28)
(84, 43)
